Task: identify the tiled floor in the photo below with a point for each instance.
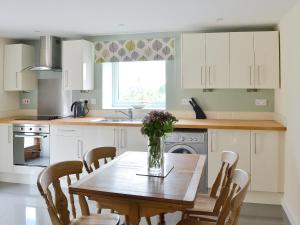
(22, 205)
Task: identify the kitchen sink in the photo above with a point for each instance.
(117, 120)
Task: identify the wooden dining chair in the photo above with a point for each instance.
(210, 204)
(91, 158)
(230, 211)
(91, 163)
(49, 185)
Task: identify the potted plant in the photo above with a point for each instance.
(156, 125)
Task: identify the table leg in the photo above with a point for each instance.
(134, 217)
(127, 220)
(162, 219)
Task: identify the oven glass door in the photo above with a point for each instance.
(31, 149)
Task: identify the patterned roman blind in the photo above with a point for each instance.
(135, 50)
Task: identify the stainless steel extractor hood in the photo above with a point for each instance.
(50, 54)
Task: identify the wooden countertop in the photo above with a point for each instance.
(182, 123)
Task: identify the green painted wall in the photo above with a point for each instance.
(218, 100)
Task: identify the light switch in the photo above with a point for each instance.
(26, 101)
(261, 102)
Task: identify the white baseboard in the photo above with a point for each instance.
(264, 198)
(288, 213)
(18, 178)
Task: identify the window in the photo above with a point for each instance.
(127, 84)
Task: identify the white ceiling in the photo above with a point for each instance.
(69, 18)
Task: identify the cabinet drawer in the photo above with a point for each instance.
(73, 131)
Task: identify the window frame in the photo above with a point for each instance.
(116, 103)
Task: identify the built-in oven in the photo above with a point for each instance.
(31, 145)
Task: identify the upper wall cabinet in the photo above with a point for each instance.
(254, 60)
(243, 60)
(18, 58)
(266, 52)
(78, 65)
(193, 61)
(205, 60)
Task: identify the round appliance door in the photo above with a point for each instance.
(182, 149)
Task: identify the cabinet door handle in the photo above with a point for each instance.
(66, 79)
(65, 130)
(9, 134)
(209, 75)
(81, 148)
(123, 144)
(201, 75)
(16, 80)
(258, 75)
(250, 75)
(211, 142)
(78, 149)
(115, 137)
(255, 144)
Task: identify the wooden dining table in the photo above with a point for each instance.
(117, 185)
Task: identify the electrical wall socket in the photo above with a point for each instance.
(26, 101)
(185, 101)
(261, 102)
(93, 101)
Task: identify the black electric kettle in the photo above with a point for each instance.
(80, 109)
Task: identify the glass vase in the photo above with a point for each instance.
(155, 155)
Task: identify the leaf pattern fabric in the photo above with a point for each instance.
(135, 50)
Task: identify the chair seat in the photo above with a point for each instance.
(204, 204)
(97, 219)
(193, 221)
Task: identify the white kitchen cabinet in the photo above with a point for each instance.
(193, 61)
(131, 139)
(6, 150)
(254, 60)
(65, 143)
(123, 138)
(217, 60)
(227, 140)
(244, 60)
(266, 49)
(205, 61)
(265, 161)
(18, 58)
(241, 60)
(98, 136)
(78, 65)
(71, 142)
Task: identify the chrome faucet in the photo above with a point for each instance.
(129, 114)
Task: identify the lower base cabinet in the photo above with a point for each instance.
(266, 161)
(227, 140)
(131, 139)
(71, 142)
(98, 136)
(65, 143)
(6, 150)
(259, 155)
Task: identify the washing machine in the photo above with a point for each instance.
(189, 141)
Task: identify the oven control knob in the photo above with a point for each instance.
(182, 139)
(30, 128)
(195, 139)
(40, 129)
(191, 139)
(22, 128)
